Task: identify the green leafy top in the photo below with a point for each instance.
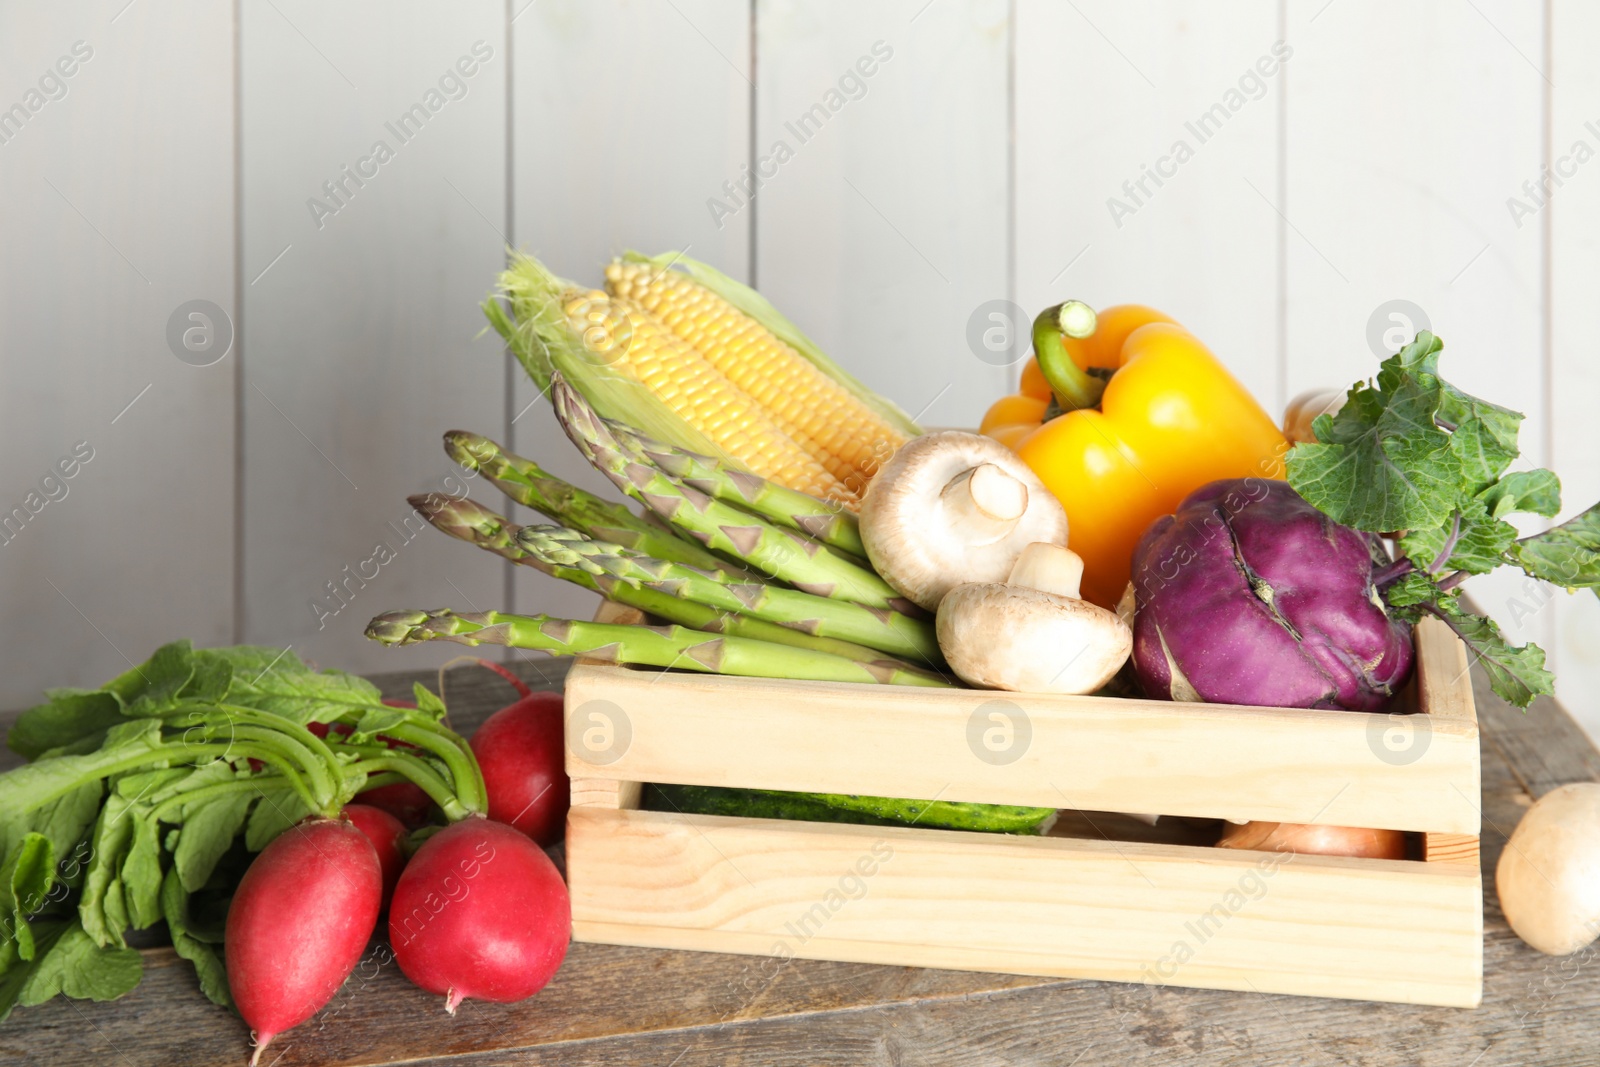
(138, 793)
(1418, 460)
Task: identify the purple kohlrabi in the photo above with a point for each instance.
(1249, 595)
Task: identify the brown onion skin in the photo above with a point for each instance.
(1315, 840)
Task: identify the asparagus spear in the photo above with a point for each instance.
(531, 485)
(818, 519)
(655, 646)
(890, 631)
(470, 521)
(784, 554)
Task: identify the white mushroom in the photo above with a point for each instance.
(951, 508)
(1549, 874)
(1032, 633)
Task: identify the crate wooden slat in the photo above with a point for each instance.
(1218, 919)
(1091, 753)
(1401, 930)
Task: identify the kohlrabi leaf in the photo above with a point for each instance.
(1414, 588)
(1483, 435)
(1416, 458)
(1480, 543)
(1516, 673)
(1381, 463)
(1567, 555)
(1483, 456)
(1535, 492)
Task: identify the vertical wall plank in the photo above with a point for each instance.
(1400, 162)
(887, 229)
(118, 194)
(626, 116)
(1574, 228)
(1109, 94)
(360, 325)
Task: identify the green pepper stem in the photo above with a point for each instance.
(1074, 388)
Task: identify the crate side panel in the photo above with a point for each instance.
(1175, 915)
(1211, 761)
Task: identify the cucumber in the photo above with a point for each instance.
(848, 808)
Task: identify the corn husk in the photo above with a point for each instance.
(526, 310)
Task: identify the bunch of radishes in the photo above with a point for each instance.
(478, 910)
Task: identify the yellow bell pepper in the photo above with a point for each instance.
(1131, 444)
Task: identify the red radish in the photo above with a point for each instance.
(481, 912)
(520, 751)
(388, 836)
(299, 923)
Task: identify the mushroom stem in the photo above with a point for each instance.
(984, 503)
(1048, 568)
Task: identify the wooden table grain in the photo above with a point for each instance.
(611, 1005)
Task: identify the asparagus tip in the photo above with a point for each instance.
(398, 627)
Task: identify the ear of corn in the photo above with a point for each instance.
(749, 338)
(527, 312)
(758, 307)
(631, 367)
(818, 412)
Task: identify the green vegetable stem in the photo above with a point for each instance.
(139, 793)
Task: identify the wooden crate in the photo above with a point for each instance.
(1085, 907)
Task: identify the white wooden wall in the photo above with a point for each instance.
(1371, 159)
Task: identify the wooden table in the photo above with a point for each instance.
(613, 1005)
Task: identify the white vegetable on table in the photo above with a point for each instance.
(1549, 874)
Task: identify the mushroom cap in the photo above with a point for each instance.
(1549, 874)
(915, 541)
(1013, 637)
